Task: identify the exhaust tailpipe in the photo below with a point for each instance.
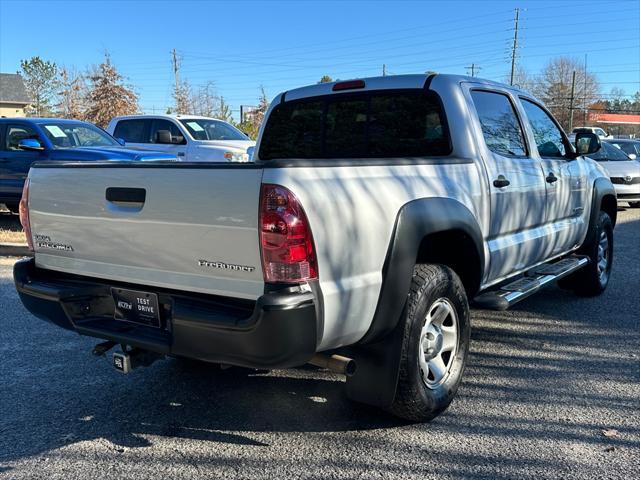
(335, 363)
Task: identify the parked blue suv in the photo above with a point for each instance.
(27, 140)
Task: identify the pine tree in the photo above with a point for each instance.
(108, 96)
(40, 80)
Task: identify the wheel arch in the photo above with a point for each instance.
(604, 199)
(427, 230)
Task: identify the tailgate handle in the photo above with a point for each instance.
(126, 195)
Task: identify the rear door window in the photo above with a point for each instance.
(500, 126)
(131, 131)
(363, 125)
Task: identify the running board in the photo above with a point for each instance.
(534, 280)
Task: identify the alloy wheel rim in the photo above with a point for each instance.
(603, 258)
(438, 343)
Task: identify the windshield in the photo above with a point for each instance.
(72, 135)
(609, 153)
(628, 147)
(203, 129)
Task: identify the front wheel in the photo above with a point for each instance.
(593, 279)
(435, 344)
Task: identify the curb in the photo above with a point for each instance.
(14, 250)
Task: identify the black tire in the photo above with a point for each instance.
(592, 280)
(430, 286)
(13, 207)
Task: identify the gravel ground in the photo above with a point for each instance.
(544, 381)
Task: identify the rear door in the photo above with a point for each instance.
(565, 178)
(14, 162)
(516, 185)
(192, 229)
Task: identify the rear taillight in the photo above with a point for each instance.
(288, 253)
(24, 214)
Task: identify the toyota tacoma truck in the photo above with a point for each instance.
(375, 211)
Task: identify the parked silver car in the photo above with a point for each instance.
(623, 171)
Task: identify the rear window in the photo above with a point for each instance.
(131, 131)
(363, 125)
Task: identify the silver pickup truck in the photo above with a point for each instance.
(375, 210)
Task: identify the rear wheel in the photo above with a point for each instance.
(593, 279)
(435, 344)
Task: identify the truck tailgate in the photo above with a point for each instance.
(178, 226)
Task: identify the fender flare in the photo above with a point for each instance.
(377, 355)
(601, 188)
(416, 220)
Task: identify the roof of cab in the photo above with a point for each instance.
(41, 120)
(164, 115)
(390, 82)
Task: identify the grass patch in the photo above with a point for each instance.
(10, 229)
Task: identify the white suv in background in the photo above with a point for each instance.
(190, 138)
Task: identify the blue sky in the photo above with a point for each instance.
(280, 45)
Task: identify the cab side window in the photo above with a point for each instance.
(546, 133)
(15, 133)
(500, 126)
(157, 125)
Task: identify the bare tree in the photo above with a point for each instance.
(223, 111)
(182, 98)
(203, 101)
(108, 96)
(522, 80)
(72, 93)
(554, 88)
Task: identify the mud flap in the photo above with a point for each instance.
(378, 367)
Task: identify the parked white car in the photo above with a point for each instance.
(597, 130)
(190, 138)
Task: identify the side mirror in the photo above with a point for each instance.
(633, 156)
(121, 141)
(587, 143)
(163, 136)
(30, 144)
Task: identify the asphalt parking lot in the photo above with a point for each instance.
(545, 382)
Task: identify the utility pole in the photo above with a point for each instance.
(515, 47)
(474, 68)
(584, 117)
(573, 90)
(176, 68)
(384, 69)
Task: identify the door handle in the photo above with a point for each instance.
(4, 160)
(181, 154)
(551, 178)
(126, 195)
(501, 181)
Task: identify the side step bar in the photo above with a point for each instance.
(534, 280)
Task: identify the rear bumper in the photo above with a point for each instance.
(277, 330)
